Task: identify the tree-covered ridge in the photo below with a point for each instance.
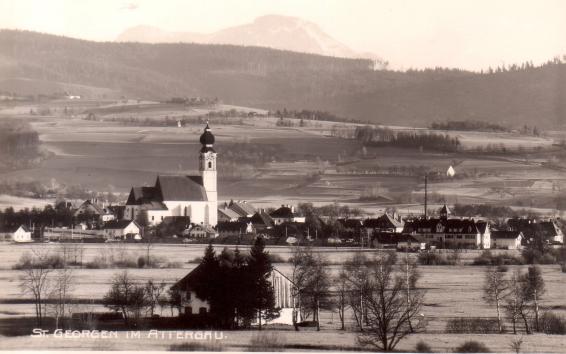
(266, 78)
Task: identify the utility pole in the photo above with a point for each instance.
(425, 194)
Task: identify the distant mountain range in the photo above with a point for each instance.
(32, 63)
(271, 31)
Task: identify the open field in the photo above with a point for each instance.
(107, 155)
(464, 282)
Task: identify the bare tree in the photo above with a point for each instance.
(411, 275)
(495, 287)
(357, 271)
(390, 316)
(126, 296)
(35, 281)
(313, 282)
(300, 253)
(62, 283)
(515, 303)
(342, 284)
(533, 289)
(154, 294)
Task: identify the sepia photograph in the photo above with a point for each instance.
(283, 176)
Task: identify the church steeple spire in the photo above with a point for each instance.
(207, 140)
(207, 164)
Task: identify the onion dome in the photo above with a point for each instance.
(207, 138)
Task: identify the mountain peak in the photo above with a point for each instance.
(272, 31)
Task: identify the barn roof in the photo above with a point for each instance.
(283, 212)
(262, 218)
(118, 224)
(242, 208)
(231, 214)
(194, 276)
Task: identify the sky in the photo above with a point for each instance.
(465, 34)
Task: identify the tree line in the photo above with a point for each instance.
(382, 136)
(469, 125)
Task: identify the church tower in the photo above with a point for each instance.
(207, 165)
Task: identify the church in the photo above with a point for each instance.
(180, 195)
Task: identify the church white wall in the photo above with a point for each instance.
(155, 217)
(200, 212)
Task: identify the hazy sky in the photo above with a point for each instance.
(467, 34)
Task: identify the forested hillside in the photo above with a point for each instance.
(274, 79)
(19, 144)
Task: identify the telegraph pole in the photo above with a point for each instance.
(425, 194)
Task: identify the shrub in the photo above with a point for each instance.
(428, 258)
(534, 256)
(423, 347)
(551, 323)
(24, 262)
(196, 347)
(53, 261)
(266, 342)
(472, 325)
(97, 263)
(431, 258)
(472, 347)
(126, 263)
(487, 258)
(141, 261)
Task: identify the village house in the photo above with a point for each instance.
(19, 234)
(180, 195)
(92, 208)
(531, 228)
(286, 213)
(234, 228)
(202, 231)
(261, 221)
(384, 223)
(401, 242)
(449, 233)
(445, 232)
(192, 305)
(121, 230)
(510, 240)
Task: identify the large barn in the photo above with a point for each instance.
(181, 195)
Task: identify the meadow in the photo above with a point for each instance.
(300, 163)
(463, 282)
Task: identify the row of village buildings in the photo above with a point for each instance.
(239, 218)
